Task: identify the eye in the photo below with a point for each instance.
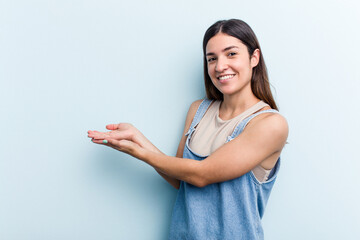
(211, 59)
(231, 54)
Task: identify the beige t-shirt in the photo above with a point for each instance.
(212, 132)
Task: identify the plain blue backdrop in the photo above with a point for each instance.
(70, 66)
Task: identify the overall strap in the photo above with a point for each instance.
(199, 114)
(240, 127)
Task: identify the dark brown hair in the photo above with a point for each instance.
(239, 29)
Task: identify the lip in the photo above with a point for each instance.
(227, 79)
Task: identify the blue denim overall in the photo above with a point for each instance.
(229, 210)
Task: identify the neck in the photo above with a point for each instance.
(237, 103)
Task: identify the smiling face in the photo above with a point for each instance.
(229, 64)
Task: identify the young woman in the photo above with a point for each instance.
(229, 154)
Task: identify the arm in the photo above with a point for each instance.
(264, 136)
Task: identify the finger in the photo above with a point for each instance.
(98, 135)
(90, 132)
(99, 141)
(110, 143)
(93, 131)
(115, 134)
(119, 126)
(112, 126)
(122, 145)
(96, 141)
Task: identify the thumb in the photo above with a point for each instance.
(112, 126)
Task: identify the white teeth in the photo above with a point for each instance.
(226, 77)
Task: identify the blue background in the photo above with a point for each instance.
(70, 66)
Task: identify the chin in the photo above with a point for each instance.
(227, 91)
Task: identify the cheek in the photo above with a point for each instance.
(244, 68)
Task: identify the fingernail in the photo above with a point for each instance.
(105, 141)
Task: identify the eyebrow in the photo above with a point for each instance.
(224, 50)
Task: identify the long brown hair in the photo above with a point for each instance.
(239, 29)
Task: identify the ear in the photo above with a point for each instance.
(254, 61)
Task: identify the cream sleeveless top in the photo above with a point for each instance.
(212, 132)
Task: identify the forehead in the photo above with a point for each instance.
(221, 41)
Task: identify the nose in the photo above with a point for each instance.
(221, 64)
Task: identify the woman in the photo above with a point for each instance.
(229, 154)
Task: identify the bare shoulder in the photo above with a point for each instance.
(195, 105)
(193, 108)
(273, 125)
(191, 113)
(273, 121)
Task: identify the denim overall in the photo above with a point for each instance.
(227, 210)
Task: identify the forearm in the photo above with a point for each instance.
(172, 181)
(184, 169)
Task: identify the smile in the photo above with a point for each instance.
(226, 77)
